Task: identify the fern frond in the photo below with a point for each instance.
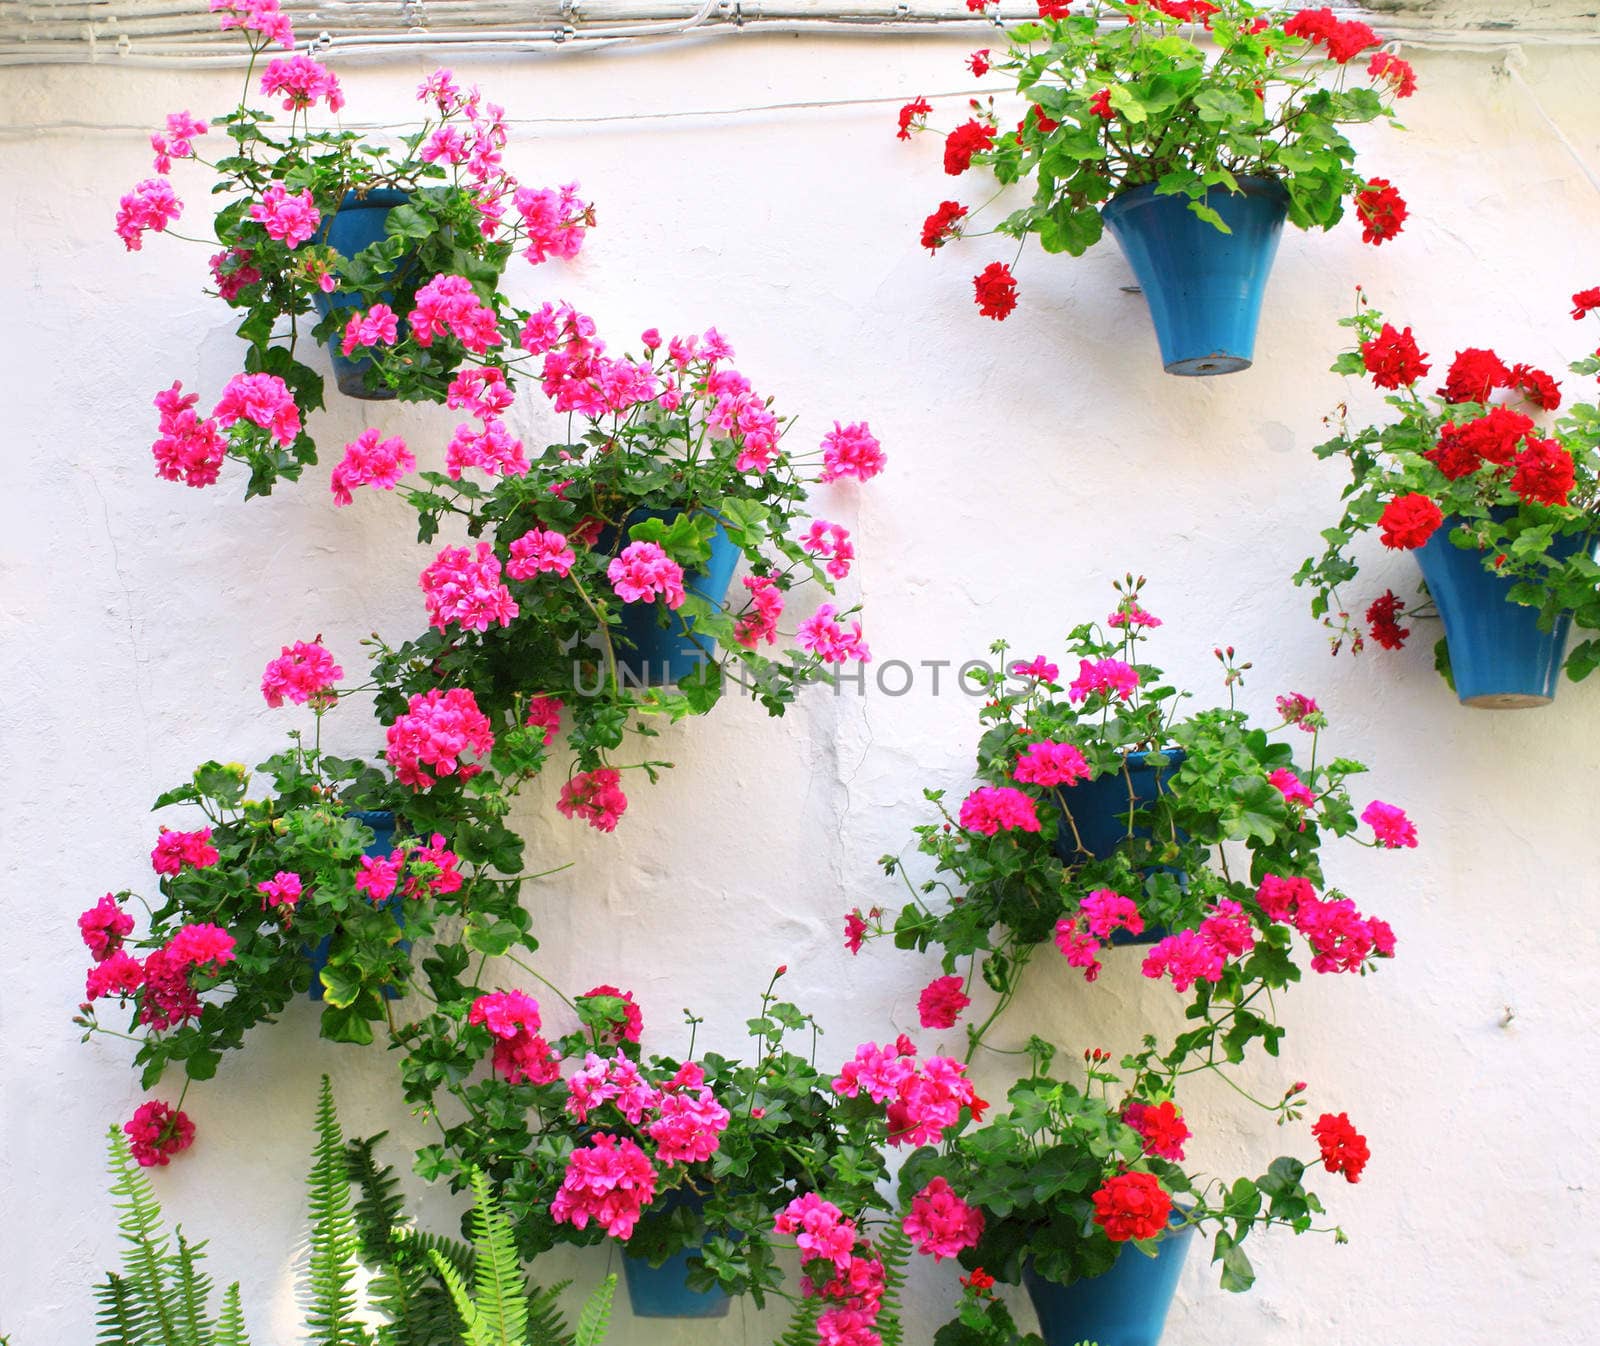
(379, 1210)
(330, 1314)
(802, 1329)
(118, 1317)
(457, 1287)
(596, 1316)
(192, 1291)
(894, 1252)
(230, 1322)
(502, 1295)
(547, 1325)
(147, 1253)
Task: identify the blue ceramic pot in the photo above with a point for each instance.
(382, 825)
(1126, 1306)
(663, 1291)
(1204, 287)
(1100, 810)
(359, 222)
(1499, 658)
(653, 654)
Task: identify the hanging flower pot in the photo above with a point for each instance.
(359, 222)
(1501, 658)
(382, 824)
(663, 1291)
(1203, 287)
(1126, 1306)
(657, 644)
(1100, 810)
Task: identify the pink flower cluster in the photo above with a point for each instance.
(152, 204)
(1130, 616)
(742, 416)
(643, 572)
(304, 672)
(941, 1002)
(1038, 667)
(1046, 762)
(263, 400)
(824, 635)
(1105, 677)
(609, 1182)
(301, 81)
(284, 888)
(684, 1119)
(544, 712)
(1341, 938)
(169, 995)
(823, 1233)
(1100, 915)
(448, 306)
(832, 541)
(576, 374)
(188, 449)
(378, 326)
(232, 271)
(520, 1054)
(1201, 955)
(540, 552)
(370, 460)
(924, 1100)
(436, 729)
(156, 1132)
(993, 808)
(1391, 825)
(940, 1224)
(760, 621)
(103, 928)
(175, 851)
(259, 16)
(626, 1024)
(596, 797)
(177, 141)
(291, 220)
(1292, 788)
(466, 589)
(851, 451)
(554, 221)
(1299, 710)
(482, 391)
(491, 447)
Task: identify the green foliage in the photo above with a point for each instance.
(1542, 548)
(331, 1313)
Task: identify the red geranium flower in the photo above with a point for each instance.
(1344, 1149)
(996, 291)
(1100, 104)
(1054, 9)
(1537, 386)
(1384, 619)
(970, 138)
(1392, 358)
(1401, 77)
(1584, 301)
(912, 114)
(1349, 39)
(1544, 474)
(940, 227)
(1131, 1206)
(1408, 521)
(1474, 374)
(978, 62)
(1381, 210)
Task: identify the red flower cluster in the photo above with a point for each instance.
(978, 62)
(1399, 74)
(1054, 9)
(1131, 1206)
(1474, 374)
(1100, 104)
(1537, 386)
(1544, 474)
(970, 138)
(1383, 617)
(996, 291)
(1320, 27)
(1492, 438)
(1408, 521)
(1393, 358)
(1344, 1149)
(940, 227)
(156, 1132)
(912, 114)
(1381, 210)
(1585, 301)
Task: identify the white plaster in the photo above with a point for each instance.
(1030, 463)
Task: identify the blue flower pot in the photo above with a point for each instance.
(359, 222)
(1499, 658)
(650, 654)
(1100, 810)
(382, 825)
(1204, 287)
(663, 1291)
(1126, 1306)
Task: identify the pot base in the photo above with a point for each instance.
(1202, 365)
(1506, 701)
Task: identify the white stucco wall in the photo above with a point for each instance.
(1030, 463)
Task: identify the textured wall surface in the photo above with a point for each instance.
(1030, 463)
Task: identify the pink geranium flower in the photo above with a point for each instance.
(152, 204)
(643, 572)
(291, 220)
(1391, 825)
(825, 635)
(370, 461)
(304, 672)
(940, 1223)
(994, 808)
(596, 797)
